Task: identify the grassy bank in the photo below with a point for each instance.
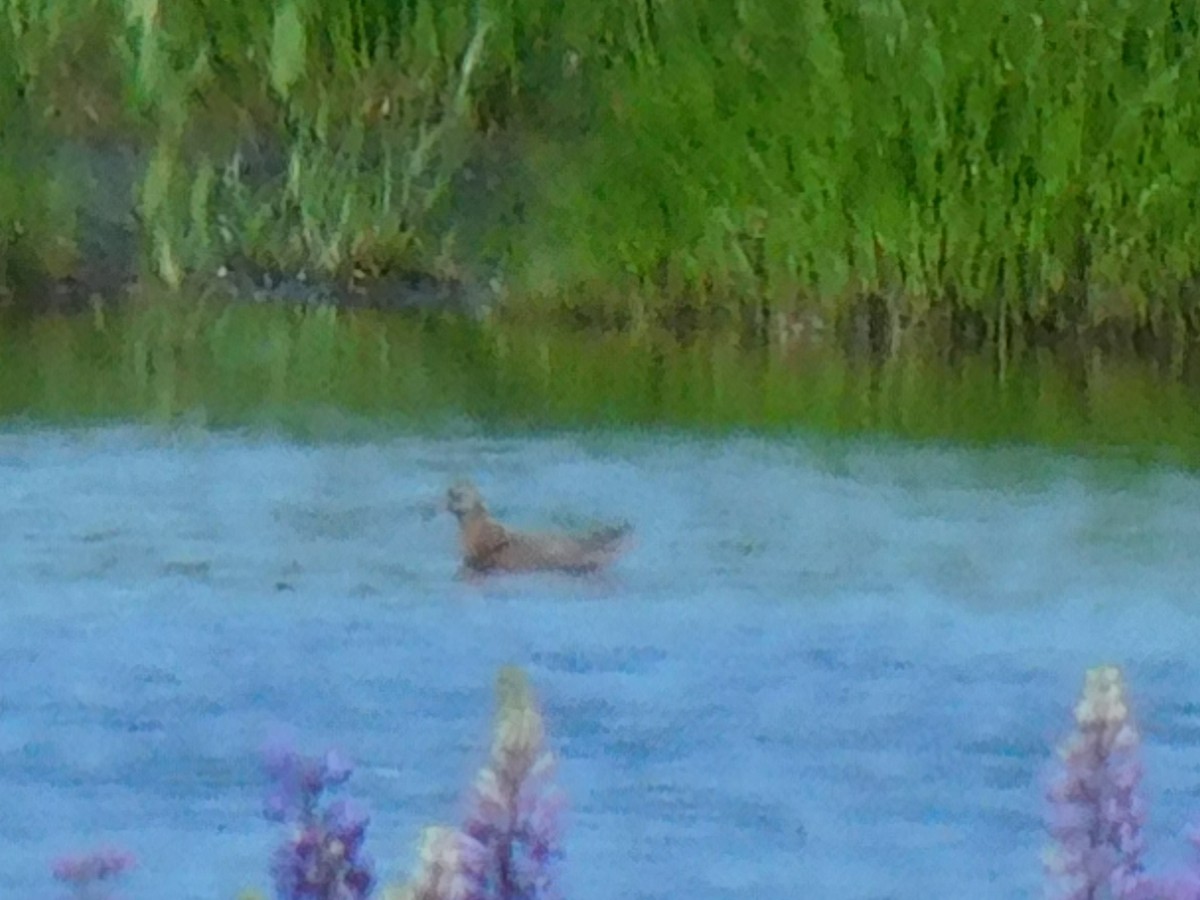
(331, 374)
(1008, 172)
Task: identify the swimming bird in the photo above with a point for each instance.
(487, 546)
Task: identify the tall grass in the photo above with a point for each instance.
(1023, 165)
(300, 135)
(359, 119)
(1018, 159)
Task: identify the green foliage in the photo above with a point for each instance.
(1029, 161)
(302, 135)
(288, 48)
(996, 154)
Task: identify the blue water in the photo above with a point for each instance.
(827, 669)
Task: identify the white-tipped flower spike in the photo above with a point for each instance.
(450, 868)
(1096, 812)
(491, 797)
(1103, 703)
(514, 808)
(511, 839)
(520, 734)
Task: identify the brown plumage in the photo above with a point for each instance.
(487, 546)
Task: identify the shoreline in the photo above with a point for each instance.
(1002, 177)
(108, 268)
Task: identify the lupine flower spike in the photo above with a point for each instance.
(510, 842)
(451, 866)
(322, 858)
(514, 809)
(1096, 811)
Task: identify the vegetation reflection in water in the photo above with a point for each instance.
(243, 365)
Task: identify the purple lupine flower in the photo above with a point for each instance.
(511, 838)
(299, 780)
(1096, 811)
(452, 867)
(513, 808)
(89, 874)
(516, 820)
(323, 858)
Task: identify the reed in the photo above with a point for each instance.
(1020, 168)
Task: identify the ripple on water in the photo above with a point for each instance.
(838, 666)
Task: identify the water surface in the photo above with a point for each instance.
(829, 668)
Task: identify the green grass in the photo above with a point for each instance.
(999, 156)
(327, 373)
(1023, 164)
